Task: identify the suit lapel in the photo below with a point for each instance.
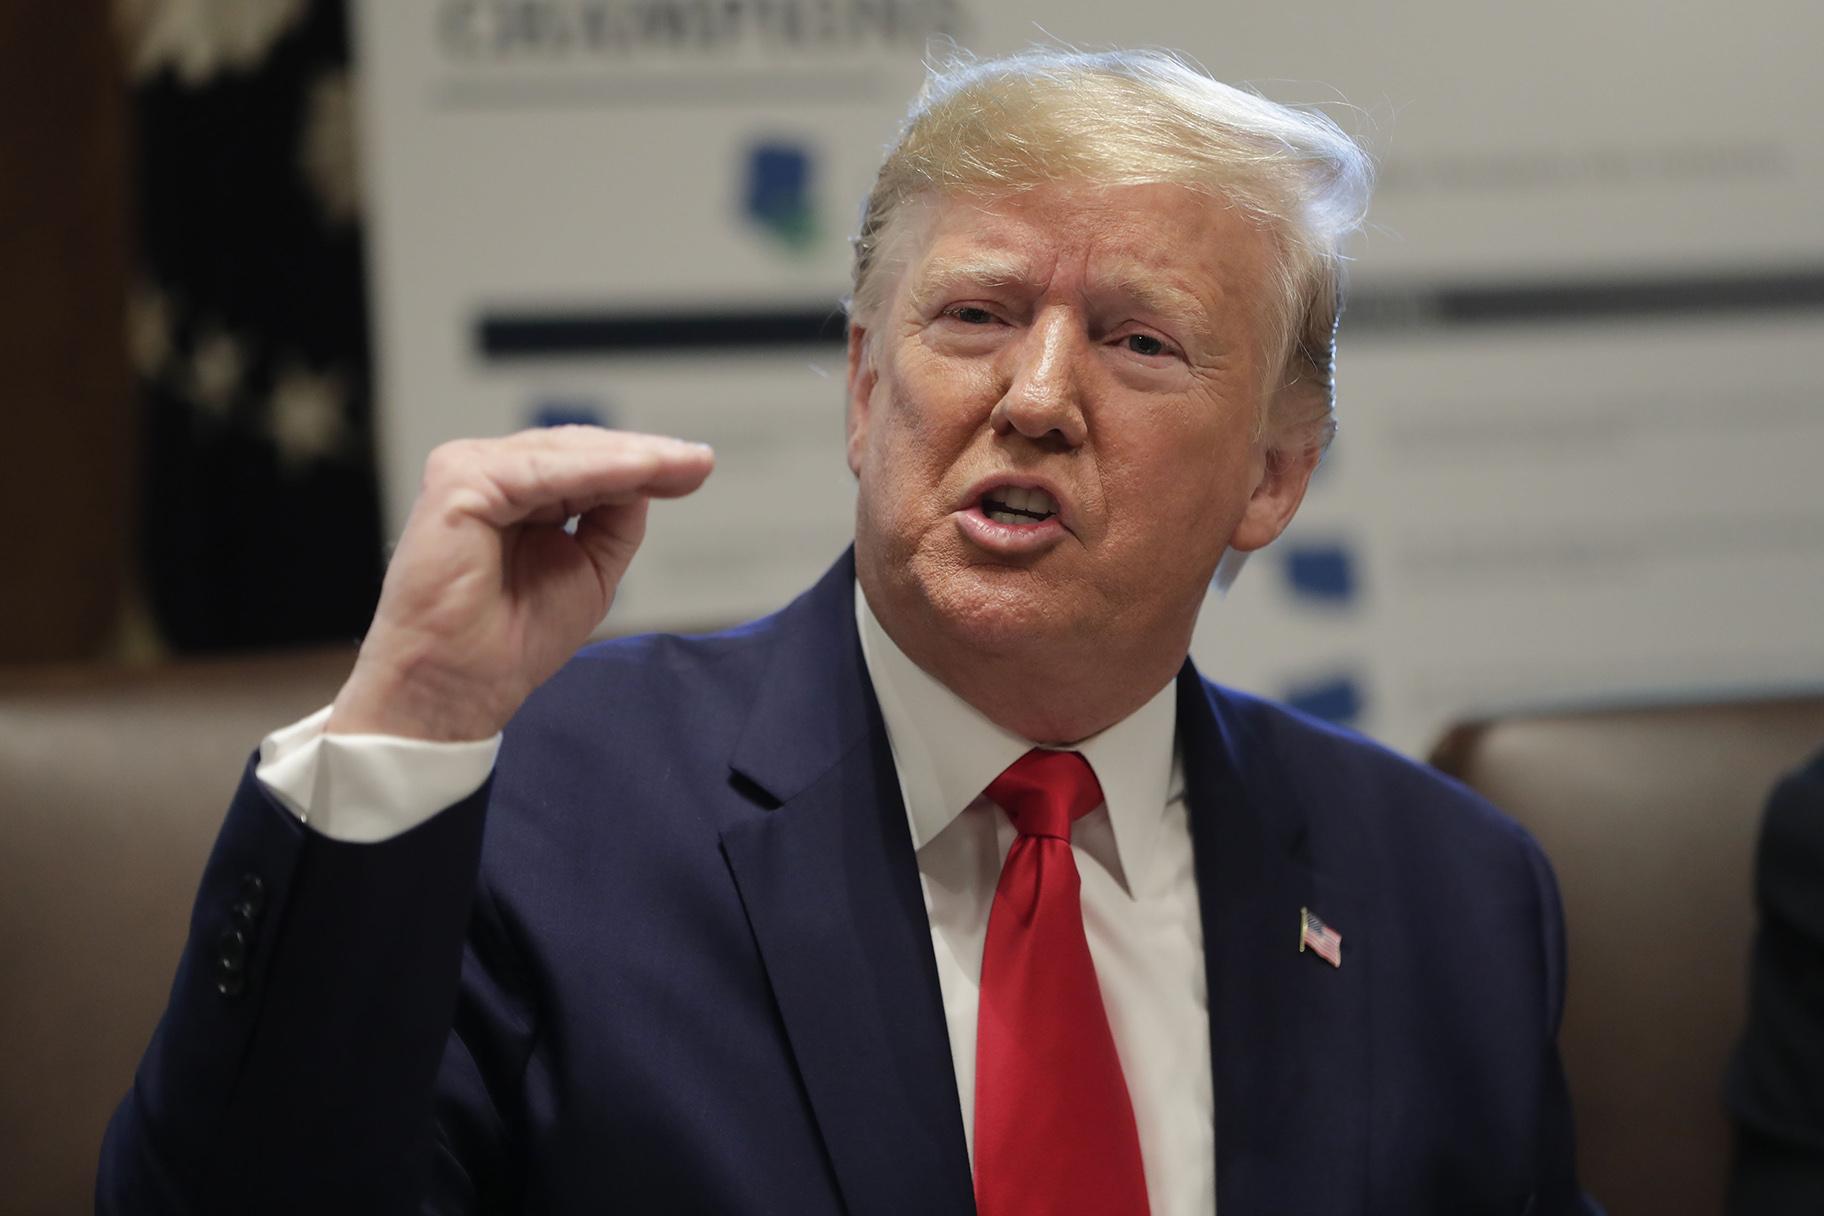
(829, 880)
(1288, 1033)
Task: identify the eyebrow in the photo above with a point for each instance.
(1154, 295)
(941, 277)
(1127, 280)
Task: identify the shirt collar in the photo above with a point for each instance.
(947, 752)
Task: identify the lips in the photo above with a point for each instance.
(1016, 500)
(1015, 518)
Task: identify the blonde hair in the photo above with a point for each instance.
(1136, 117)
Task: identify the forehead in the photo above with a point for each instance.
(1094, 238)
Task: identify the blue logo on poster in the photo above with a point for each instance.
(1336, 699)
(569, 412)
(1323, 571)
(777, 197)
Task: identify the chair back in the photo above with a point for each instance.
(1650, 817)
(113, 783)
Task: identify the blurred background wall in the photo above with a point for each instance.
(1578, 395)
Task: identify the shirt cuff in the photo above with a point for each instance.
(367, 788)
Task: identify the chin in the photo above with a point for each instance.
(1006, 609)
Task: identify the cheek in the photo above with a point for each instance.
(929, 404)
(901, 453)
(1177, 476)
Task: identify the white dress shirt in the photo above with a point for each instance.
(1140, 910)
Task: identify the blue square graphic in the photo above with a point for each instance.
(1338, 698)
(569, 412)
(777, 194)
(1322, 571)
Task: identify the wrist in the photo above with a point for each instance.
(379, 699)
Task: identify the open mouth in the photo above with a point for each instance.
(1018, 505)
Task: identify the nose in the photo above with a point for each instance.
(1043, 376)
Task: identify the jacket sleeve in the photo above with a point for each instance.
(1775, 1087)
(1559, 1193)
(295, 1065)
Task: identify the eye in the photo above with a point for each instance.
(970, 314)
(1145, 344)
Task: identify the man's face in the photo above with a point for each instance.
(1053, 423)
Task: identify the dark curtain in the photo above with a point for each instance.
(248, 325)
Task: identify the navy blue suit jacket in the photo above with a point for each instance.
(674, 958)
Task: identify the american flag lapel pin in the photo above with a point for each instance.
(1314, 935)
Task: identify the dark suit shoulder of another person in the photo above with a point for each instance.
(1775, 1089)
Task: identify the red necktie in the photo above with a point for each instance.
(1054, 1129)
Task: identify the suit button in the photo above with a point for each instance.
(253, 893)
(245, 914)
(231, 952)
(231, 963)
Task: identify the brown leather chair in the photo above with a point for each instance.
(112, 786)
(1650, 817)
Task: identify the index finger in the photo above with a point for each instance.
(570, 469)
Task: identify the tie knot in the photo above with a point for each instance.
(1043, 792)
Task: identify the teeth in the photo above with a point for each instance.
(1023, 498)
(1006, 517)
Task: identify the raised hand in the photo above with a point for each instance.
(487, 595)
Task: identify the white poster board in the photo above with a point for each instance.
(1578, 392)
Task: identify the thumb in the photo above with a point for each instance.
(609, 535)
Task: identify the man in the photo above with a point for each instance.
(952, 887)
(1775, 1088)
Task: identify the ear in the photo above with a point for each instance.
(861, 389)
(1285, 475)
